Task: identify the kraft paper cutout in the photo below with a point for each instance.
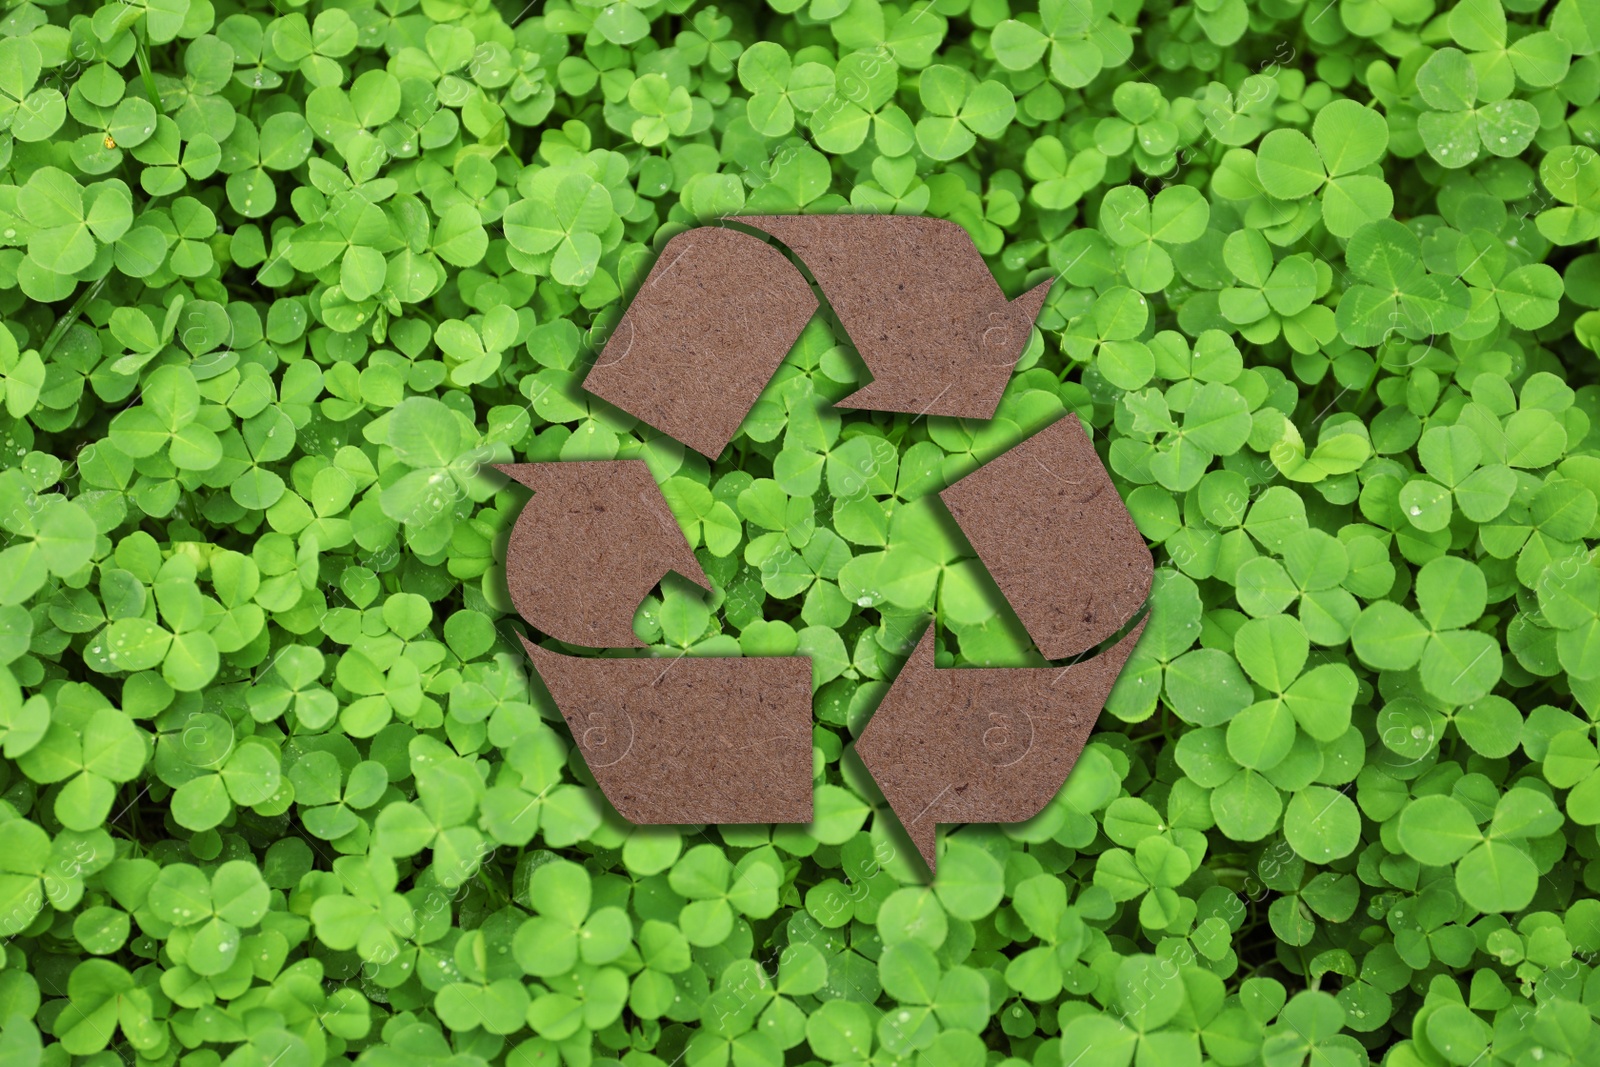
(690, 740)
(589, 547)
(982, 744)
(703, 336)
(920, 305)
(1047, 522)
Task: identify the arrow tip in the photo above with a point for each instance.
(1003, 332)
(595, 539)
(1029, 304)
(930, 746)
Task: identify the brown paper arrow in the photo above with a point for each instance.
(690, 740)
(919, 303)
(982, 744)
(588, 548)
(706, 332)
(1052, 530)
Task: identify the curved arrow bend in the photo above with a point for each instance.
(918, 301)
(703, 336)
(668, 740)
(995, 745)
(599, 538)
(982, 744)
(721, 308)
(1029, 515)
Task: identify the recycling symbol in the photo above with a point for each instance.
(729, 740)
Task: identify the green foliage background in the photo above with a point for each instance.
(277, 281)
